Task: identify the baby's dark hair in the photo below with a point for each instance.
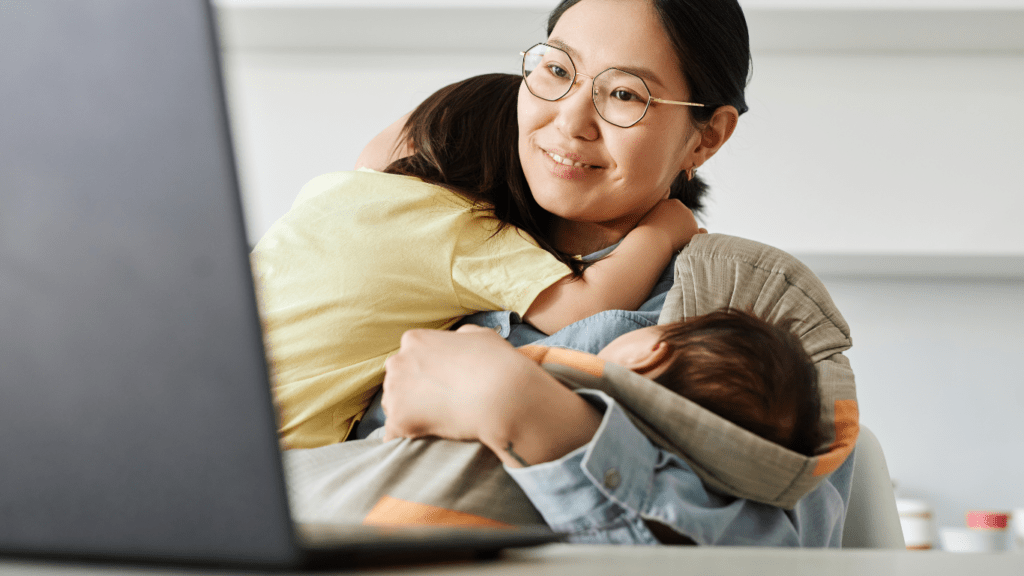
(751, 372)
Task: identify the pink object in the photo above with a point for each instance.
(985, 520)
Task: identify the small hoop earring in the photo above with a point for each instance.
(691, 173)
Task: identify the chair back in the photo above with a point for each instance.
(872, 520)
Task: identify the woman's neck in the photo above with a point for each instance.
(583, 238)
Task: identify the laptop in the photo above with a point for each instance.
(136, 418)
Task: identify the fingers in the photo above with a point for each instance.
(411, 338)
(472, 328)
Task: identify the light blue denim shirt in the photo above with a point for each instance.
(603, 492)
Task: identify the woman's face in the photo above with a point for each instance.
(625, 171)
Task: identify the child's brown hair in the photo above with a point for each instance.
(465, 137)
(748, 371)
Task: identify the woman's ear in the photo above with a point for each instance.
(715, 134)
(652, 361)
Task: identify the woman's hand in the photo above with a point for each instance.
(674, 220)
(447, 384)
(472, 385)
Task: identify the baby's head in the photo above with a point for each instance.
(748, 371)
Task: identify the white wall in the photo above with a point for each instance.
(907, 153)
(296, 116)
(940, 382)
(906, 159)
(883, 146)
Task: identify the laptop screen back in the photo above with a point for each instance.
(135, 414)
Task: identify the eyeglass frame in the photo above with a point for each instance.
(575, 73)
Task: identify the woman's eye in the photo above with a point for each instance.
(558, 71)
(625, 95)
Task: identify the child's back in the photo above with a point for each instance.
(359, 259)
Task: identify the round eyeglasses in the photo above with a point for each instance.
(621, 98)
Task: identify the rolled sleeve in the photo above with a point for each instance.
(573, 500)
(607, 490)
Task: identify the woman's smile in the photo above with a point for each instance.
(567, 160)
(568, 166)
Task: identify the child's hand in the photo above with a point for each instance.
(673, 219)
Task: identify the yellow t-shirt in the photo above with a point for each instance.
(360, 258)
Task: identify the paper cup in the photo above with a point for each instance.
(968, 540)
(1017, 530)
(916, 522)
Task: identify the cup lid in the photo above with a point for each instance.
(987, 520)
(911, 507)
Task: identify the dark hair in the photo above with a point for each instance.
(748, 371)
(465, 138)
(712, 43)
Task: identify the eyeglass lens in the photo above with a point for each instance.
(621, 98)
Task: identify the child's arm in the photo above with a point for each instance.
(624, 279)
(385, 148)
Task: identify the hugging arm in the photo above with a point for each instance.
(465, 385)
(386, 147)
(621, 489)
(621, 281)
(624, 279)
(590, 471)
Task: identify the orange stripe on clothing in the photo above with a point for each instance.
(572, 358)
(390, 511)
(847, 427)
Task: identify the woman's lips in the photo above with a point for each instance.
(566, 161)
(568, 168)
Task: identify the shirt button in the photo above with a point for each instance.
(612, 479)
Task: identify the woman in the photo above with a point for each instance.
(363, 256)
(582, 463)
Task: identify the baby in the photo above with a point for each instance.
(748, 371)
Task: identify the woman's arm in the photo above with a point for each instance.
(623, 279)
(472, 385)
(620, 488)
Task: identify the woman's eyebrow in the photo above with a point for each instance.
(564, 47)
(645, 73)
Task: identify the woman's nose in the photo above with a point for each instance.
(577, 116)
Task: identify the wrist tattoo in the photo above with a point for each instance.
(515, 456)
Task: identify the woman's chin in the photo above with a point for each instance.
(560, 198)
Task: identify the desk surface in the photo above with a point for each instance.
(616, 561)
